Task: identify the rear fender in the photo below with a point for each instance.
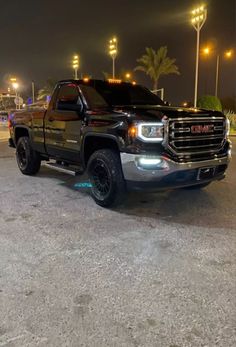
(20, 131)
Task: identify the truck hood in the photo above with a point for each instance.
(156, 113)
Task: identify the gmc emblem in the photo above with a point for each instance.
(202, 129)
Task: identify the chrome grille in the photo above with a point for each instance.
(184, 139)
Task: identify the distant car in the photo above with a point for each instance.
(3, 116)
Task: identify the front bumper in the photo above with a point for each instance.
(168, 173)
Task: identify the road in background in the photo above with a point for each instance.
(4, 132)
(157, 271)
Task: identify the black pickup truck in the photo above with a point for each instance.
(124, 136)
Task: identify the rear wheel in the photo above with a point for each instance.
(106, 177)
(28, 159)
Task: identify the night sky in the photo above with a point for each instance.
(39, 37)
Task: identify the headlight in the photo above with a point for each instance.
(227, 127)
(151, 132)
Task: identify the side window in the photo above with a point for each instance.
(68, 95)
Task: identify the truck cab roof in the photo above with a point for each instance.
(116, 93)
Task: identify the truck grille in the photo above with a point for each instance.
(198, 135)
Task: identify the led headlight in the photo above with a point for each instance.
(151, 132)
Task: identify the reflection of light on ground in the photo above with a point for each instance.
(83, 185)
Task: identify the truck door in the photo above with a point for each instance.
(63, 124)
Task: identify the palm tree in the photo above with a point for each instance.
(47, 89)
(156, 64)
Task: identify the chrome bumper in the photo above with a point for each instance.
(133, 171)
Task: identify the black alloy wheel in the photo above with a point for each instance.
(106, 176)
(28, 159)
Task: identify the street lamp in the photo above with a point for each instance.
(15, 86)
(128, 76)
(75, 65)
(206, 51)
(228, 54)
(113, 53)
(199, 16)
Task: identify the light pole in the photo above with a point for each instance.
(199, 16)
(228, 54)
(217, 74)
(15, 86)
(113, 53)
(161, 90)
(33, 94)
(75, 65)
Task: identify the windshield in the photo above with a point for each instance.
(127, 94)
(94, 98)
(103, 94)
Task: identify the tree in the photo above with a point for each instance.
(209, 102)
(156, 64)
(7, 103)
(47, 89)
(229, 103)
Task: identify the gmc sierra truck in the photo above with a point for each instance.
(124, 136)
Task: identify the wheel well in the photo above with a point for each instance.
(94, 143)
(20, 132)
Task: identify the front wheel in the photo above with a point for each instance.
(28, 159)
(106, 177)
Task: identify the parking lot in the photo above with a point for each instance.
(157, 271)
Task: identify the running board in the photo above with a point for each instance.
(62, 168)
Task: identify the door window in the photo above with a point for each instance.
(68, 94)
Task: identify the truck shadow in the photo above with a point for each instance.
(210, 207)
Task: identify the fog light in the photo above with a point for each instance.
(149, 161)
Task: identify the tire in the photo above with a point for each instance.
(106, 176)
(28, 160)
(197, 186)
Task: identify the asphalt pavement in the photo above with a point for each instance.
(159, 271)
(4, 132)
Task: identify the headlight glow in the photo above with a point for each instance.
(151, 132)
